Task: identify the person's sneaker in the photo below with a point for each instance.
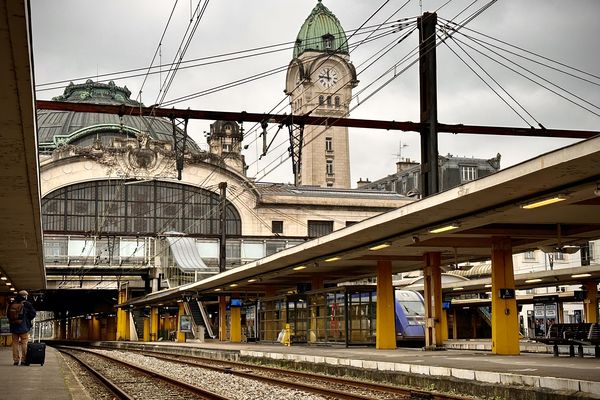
(16, 363)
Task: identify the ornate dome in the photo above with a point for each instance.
(82, 128)
(321, 31)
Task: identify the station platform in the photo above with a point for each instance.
(534, 374)
(531, 375)
(52, 381)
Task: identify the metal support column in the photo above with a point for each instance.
(428, 96)
(223, 221)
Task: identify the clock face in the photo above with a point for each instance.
(328, 77)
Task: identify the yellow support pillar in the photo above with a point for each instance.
(385, 313)
(433, 301)
(590, 304)
(122, 315)
(505, 319)
(95, 334)
(154, 324)
(222, 318)
(316, 283)
(444, 325)
(180, 335)
(147, 329)
(235, 331)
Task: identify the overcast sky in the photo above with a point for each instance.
(76, 39)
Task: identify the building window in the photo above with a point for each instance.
(319, 228)
(109, 207)
(328, 101)
(559, 256)
(277, 226)
(328, 42)
(328, 144)
(337, 101)
(529, 255)
(321, 100)
(468, 173)
(329, 167)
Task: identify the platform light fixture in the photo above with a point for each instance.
(533, 280)
(299, 268)
(380, 246)
(233, 285)
(487, 285)
(445, 228)
(3, 278)
(13, 289)
(586, 275)
(544, 202)
(252, 280)
(458, 288)
(218, 289)
(332, 259)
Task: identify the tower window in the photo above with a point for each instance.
(328, 144)
(329, 167)
(328, 42)
(321, 100)
(337, 101)
(328, 101)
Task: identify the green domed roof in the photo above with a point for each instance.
(321, 31)
(69, 127)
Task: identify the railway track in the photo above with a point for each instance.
(127, 381)
(324, 385)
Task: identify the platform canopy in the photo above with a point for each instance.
(20, 228)
(551, 201)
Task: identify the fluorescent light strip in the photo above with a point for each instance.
(332, 259)
(533, 280)
(544, 202)
(299, 268)
(581, 275)
(380, 246)
(444, 228)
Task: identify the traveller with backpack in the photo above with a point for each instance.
(20, 316)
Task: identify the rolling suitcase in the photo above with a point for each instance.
(36, 351)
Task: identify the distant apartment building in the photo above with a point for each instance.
(453, 171)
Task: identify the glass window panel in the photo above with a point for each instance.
(81, 248)
(131, 248)
(254, 250)
(208, 249)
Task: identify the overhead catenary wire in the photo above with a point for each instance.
(490, 86)
(158, 47)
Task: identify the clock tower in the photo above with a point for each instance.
(319, 82)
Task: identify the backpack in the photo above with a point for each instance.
(15, 313)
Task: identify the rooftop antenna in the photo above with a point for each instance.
(399, 154)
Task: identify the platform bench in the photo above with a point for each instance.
(579, 334)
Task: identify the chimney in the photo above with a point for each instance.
(405, 164)
(361, 184)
